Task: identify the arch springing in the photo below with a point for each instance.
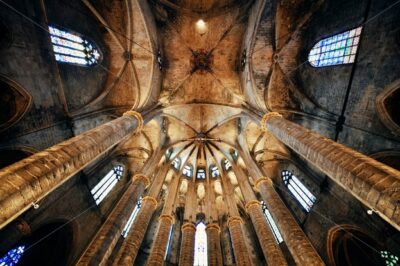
(200, 246)
(106, 184)
(72, 48)
(298, 190)
(336, 50)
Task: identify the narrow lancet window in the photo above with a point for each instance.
(336, 50)
(214, 171)
(188, 170)
(201, 174)
(271, 223)
(298, 190)
(176, 163)
(132, 218)
(13, 256)
(106, 184)
(227, 165)
(72, 48)
(200, 246)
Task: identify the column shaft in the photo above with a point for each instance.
(238, 241)
(130, 247)
(272, 252)
(157, 253)
(31, 179)
(214, 245)
(186, 257)
(300, 247)
(375, 184)
(106, 238)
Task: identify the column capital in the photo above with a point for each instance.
(141, 178)
(213, 226)
(234, 219)
(150, 200)
(266, 117)
(166, 217)
(138, 116)
(263, 179)
(251, 203)
(188, 226)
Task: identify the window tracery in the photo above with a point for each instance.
(227, 165)
(271, 223)
(106, 184)
(176, 163)
(336, 50)
(13, 256)
(201, 174)
(132, 218)
(72, 48)
(188, 170)
(298, 190)
(214, 171)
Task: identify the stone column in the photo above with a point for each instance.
(129, 249)
(166, 221)
(31, 179)
(272, 252)
(106, 238)
(238, 241)
(297, 242)
(375, 184)
(214, 245)
(186, 257)
(157, 253)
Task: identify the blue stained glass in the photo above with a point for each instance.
(73, 49)
(12, 257)
(333, 50)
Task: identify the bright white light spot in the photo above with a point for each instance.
(201, 27)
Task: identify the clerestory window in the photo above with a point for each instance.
(132, 218)
(214, 171)
(227, 165)
(188, 170)
(303, 196)
(336, 50)
(72, 48)
(106, 184)
(271, 223)
(201, 174)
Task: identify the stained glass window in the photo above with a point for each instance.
(12, 257)
(227, 165)
(336, 50)
(214, 171)
(271, 223)
(201, 173)
(200, 246)
(176, 163)
(389, 258)
(132, 218)
(188, 170)
(298, 190)
(168, 153)
(72, 48)
(106, 184)
(234, 154)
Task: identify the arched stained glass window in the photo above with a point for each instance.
(298, 190)
(12, 257)
(271, 223)
(106, 184)
(176, 163)
(200, 246)
(227, 165)
(214, 171)
(188, 170)
(201, 173)
(132, 218)
(336, 50)
(72, 48)
(389, 258)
